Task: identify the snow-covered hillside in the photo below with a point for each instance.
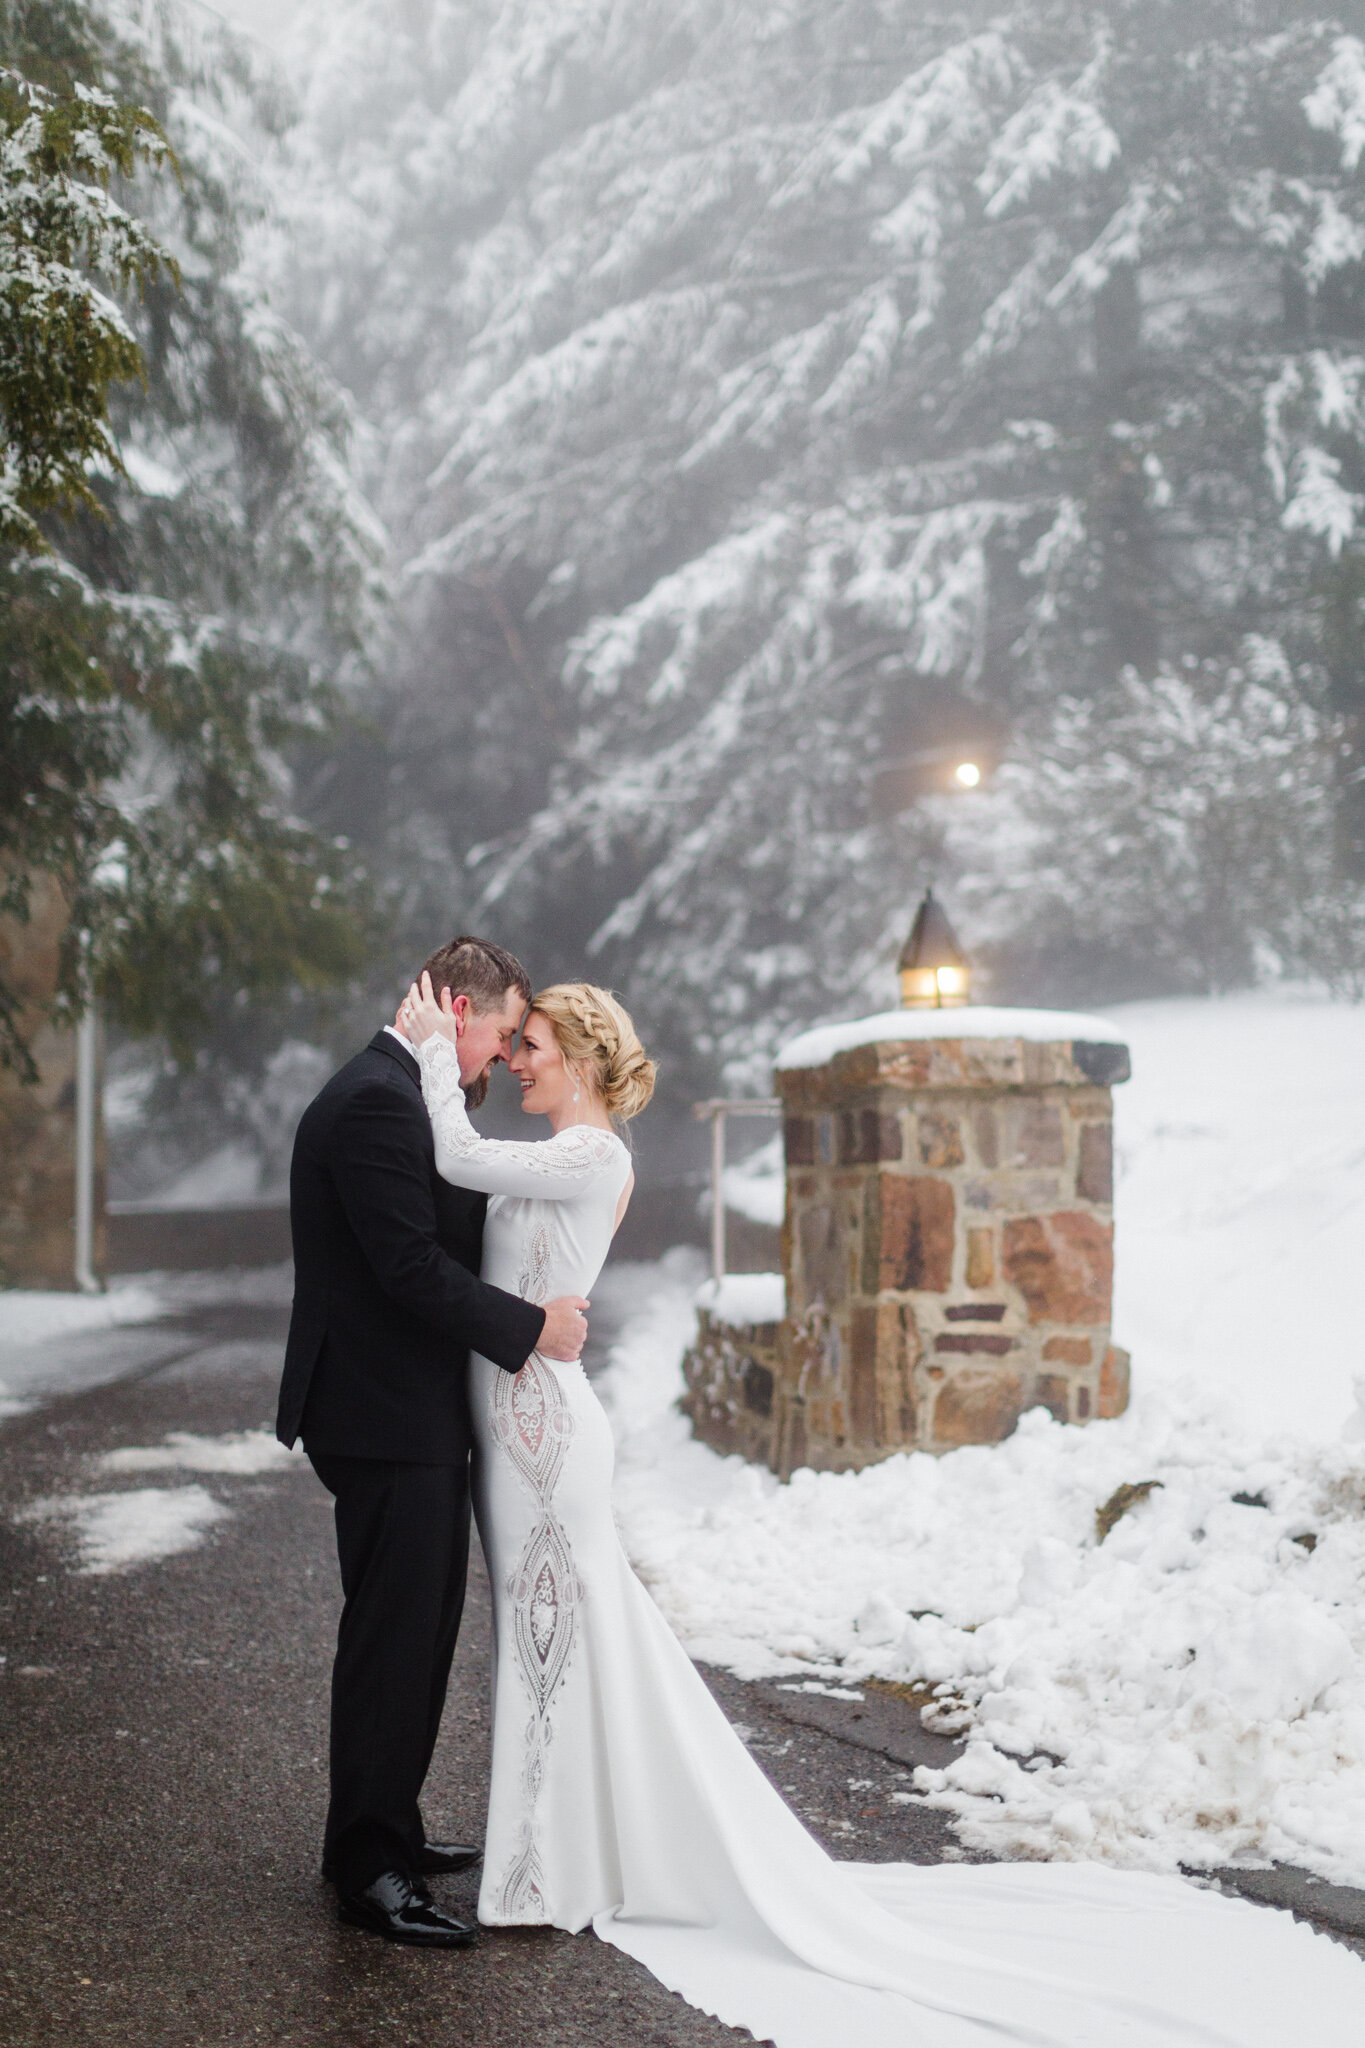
(1241, 1204)
(1192, 1688)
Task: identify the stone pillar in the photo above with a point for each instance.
(948, 1244)
(38, 1123)
(729, 1375)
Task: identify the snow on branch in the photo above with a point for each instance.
(949, 102)
(1059, 130)
(565, 383)
(1321, 505)
(819, 372)
(1336, 104)
(680, 609)
(1121, 240)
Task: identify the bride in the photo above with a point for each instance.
(622, 1799)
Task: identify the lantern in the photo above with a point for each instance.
(935, 972)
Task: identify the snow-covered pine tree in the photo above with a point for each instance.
(1181, 828)
(748, 370)
(171, 662)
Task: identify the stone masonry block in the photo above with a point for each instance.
(798, 1134)
(1104, 1064)
(1114, 1383)
(883, 1352)
(918, 1216)
(862, 1373)
(940, 1141)
(822, 1255)
(991, 1343)
(791, 1451)
(986, 1133)
(1089, 1105)
(1095, 1178)
(1013, 1192)
(1038, 1136)
(981, 1258)
(1062, 1264)
(859, 1137)
(1052, 1390)
(977, 1406)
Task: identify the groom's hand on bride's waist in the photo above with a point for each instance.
(566, 1328)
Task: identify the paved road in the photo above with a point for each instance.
(162, 1736)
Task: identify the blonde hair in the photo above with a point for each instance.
(592, 1030)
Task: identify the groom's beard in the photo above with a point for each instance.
(476, 1091)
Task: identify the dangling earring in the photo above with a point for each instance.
(575, 1087)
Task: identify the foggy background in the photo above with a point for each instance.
(268, 23)
(755, 408)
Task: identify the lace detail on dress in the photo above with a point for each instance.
(533, 1425)
(554, 1169)
(536, 1254)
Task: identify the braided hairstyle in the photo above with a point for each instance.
(594, 1033)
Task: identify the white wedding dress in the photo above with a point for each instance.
(623, 1800)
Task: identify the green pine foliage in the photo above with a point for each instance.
(62, 341)
(187, 576)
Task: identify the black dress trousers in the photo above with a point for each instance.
(403, 1543)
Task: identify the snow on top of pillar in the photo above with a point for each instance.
(1050, 1027)
(745, 1298)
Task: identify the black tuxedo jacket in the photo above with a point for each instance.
(387, 1305)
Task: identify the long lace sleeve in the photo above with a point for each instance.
(555, 1169)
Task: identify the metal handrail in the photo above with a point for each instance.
(718, 1110)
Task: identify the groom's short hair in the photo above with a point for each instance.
(478, 969)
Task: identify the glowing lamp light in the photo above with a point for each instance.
(967, 774)
(935, 972)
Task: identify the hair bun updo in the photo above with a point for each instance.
(593, 1031)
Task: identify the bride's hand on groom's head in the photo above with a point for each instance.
(421, 1016)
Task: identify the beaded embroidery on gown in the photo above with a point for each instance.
(622, 1799)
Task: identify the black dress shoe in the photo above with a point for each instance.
(396, 1908)
(438, 1859)
(434, 1859)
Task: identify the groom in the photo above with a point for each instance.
(387, 1307)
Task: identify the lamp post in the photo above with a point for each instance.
(935, 972)
(87, 1104)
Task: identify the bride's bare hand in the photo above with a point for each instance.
(420, 1016)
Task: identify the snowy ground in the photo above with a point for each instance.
(1241, 1203)
(51, 1342)
(1192, 1688)
(143, 1524)
(64, 1343)
(33, 1318)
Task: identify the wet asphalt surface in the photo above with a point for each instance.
(162, 1758)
